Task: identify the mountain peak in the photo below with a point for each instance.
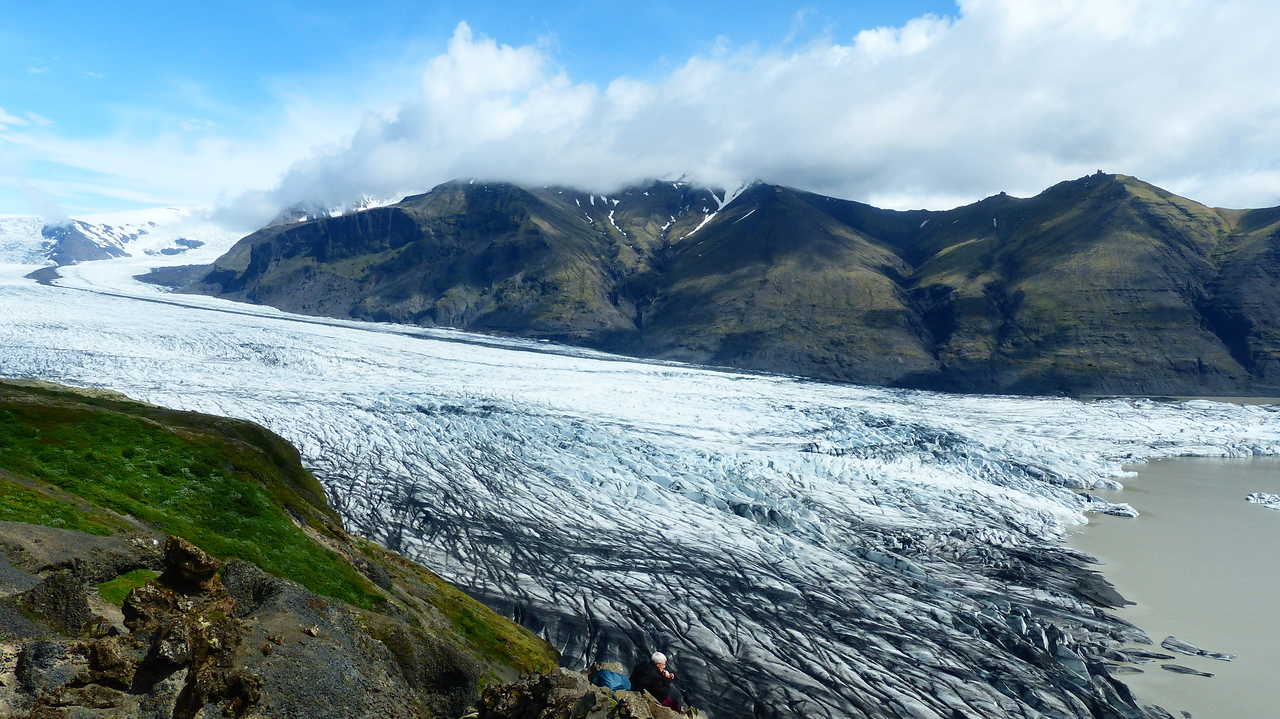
(768, 277)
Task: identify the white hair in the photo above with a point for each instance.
(659, 658)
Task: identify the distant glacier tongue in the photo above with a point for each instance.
(801, 549)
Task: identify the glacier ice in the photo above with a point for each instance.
(1268, 500)
(803, 549)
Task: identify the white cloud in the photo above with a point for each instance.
(8, 119)
(1007, 95)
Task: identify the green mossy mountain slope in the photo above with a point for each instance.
(1103, 284)
(92, 483)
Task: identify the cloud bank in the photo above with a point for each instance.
(1004, 95)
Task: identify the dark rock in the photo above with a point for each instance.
(172, 646)
(15, 624)
(250, 587)
(1179, 669)
(39, 550)
(61, 601)
(1142, 655)
(188, 568)
(69, 244)
(13, 579)
(44, 666)
(448, 677)
(44, 275)
(113, 662)
(1174, 644)
(147, 606)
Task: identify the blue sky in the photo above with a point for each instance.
(92, 69)
(108, 106)
(82, 61)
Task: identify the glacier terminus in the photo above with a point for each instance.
(801, 549)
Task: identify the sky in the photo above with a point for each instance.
(245, 108)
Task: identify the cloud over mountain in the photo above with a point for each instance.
(1005, 94)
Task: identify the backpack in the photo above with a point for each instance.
(611, 680)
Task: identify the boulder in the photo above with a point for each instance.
(188, 568)
(60, 601)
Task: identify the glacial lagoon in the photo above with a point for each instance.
(1203, 565)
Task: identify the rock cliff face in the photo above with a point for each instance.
(102, 615)
(1104, 284)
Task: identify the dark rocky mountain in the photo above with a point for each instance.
(1104, 284)
(76, 241)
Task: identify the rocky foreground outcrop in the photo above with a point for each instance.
(107, 613)
(208, 638)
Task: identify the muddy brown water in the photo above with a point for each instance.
(1202, 564)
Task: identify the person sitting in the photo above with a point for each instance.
(652, 676)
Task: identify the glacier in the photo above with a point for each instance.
(800, 548)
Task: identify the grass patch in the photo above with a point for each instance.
(492, 635)
(223, 486)
(19, 504)
(115, 590)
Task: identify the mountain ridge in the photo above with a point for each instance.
(1102, 284)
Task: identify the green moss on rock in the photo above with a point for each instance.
(115, 590)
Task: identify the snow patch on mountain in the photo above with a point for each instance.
(308, 211)
(706, 217)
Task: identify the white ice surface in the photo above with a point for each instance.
(21, 241)
(816, 452)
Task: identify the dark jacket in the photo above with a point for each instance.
(645, 677)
